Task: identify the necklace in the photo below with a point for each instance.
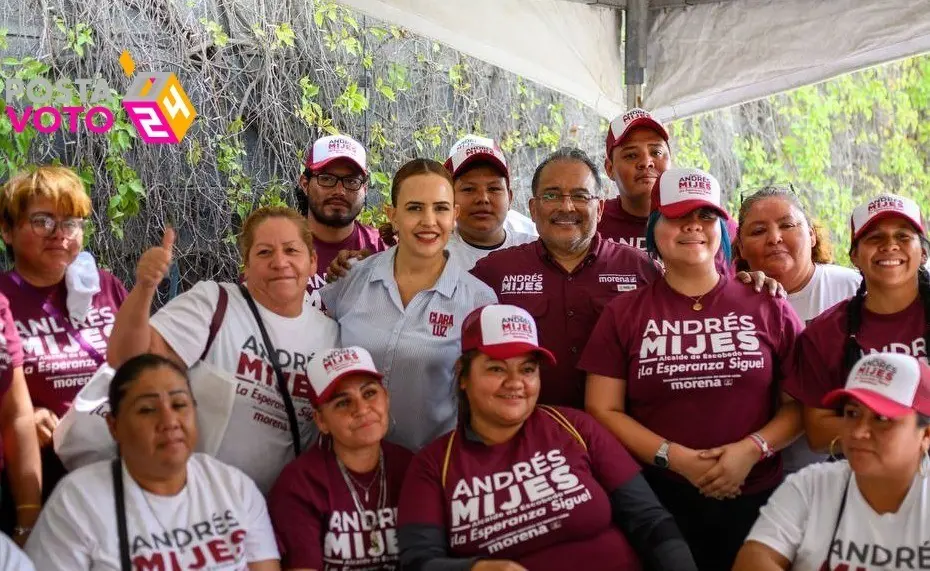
(698, 306)
(382, 494)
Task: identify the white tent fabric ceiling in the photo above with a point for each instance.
(699, 57)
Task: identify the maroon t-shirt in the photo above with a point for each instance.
(11, 351)
(362, 238)
(539, 499)
(565, 305)
(317, 523)
(818, 367)
(699, 378)
(620, 226)
(56, 364)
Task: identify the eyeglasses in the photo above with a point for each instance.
(769, 190)
(349, 182)
(578, 198)
(45, 225)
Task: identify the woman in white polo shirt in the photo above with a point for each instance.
(871, 511)
(257, 337)
(406, 305)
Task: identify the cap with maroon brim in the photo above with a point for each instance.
(329, 367)
(883, 207)
(502, 332)
(333, 148)
(472, 149)
(888, 384)
(678, 192)
(635, 118)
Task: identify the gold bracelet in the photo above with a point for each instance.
(29, 507)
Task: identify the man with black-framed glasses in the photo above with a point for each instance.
(333, 185)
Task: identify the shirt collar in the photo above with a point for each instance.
(594, 250)
(445, 285)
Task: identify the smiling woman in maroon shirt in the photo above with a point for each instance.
(516, 486)
(685, 373)
(889, 246)
(335, 507)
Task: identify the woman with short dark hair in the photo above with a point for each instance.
(159, 504)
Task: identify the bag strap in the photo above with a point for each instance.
(552, 412)
(52, 311)
(119, 496)
(565, 423)
(218, 314)
(273, 357)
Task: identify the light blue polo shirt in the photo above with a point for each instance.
(416, 347)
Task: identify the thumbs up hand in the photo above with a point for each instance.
(154, 263)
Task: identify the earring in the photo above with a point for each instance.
(833, 448)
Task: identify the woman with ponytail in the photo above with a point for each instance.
(889, 313)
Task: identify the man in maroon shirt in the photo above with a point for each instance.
(333, 187)
(637, 153)
(565, 278)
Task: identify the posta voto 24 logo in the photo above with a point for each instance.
(157, 105)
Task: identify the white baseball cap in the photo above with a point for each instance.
(472, 148)
(502, 332)
(679, 192)
(329, 149)
(621, 126)
(889, 384)
(329, 367)
(885, 206)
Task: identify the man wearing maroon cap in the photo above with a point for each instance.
(333, 187)
(565, 278)
(483, 195)
(637, 153)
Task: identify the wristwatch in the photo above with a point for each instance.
(661, 457)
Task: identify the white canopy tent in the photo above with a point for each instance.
(697, 55)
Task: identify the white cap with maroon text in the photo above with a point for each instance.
(885, 206)
(329, 149)
(679, 192)
(502, 332)
(889, 384)
(472, 148)
(329, 367)
(621, 126)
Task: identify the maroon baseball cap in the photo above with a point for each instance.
(885, 206)
(621, 126)
(329, 149)
(502, 332)
(889, 384)
(471, 149)
(329, 367)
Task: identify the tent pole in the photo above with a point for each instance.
(636, 31)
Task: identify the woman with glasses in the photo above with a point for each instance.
(63, 305)
(406, 305)
(871, 511)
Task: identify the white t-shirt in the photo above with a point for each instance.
(799, 519)
(829, 285)
(520, 223)
(466, 255)
(218, 521)
(12, 557)
(258, 437)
